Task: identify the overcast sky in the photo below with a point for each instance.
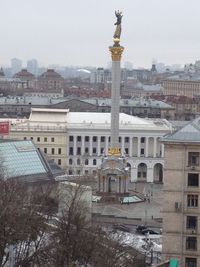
(78, 32)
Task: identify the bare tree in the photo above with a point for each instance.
(23, 225)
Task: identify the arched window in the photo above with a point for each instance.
(70, 161)
(78, 162)
(86, 161)
(94, 162)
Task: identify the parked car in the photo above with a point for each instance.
(121, 227)
(149, 231)
(140, 228)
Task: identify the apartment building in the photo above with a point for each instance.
(77, 141)
(181, 206)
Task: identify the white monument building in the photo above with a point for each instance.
(78, 141)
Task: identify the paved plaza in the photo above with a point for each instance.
(147, 212)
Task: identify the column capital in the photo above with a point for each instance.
(116, 52)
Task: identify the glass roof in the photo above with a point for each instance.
(20, 158)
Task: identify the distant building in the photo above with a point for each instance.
(32, 66)
(186, 108)
(50, 81)
(16, 65)
(189, 88)
(181, 205)
(27, 79)
(21, 105)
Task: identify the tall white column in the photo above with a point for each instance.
(98, 145)
(155, 147)
(74, 145)
(106, 149)
(90, 146)
(139, 146)
(116, 52)
(162, 150)
(130, 146)
(82, 145)
(122, 145)
(147, 147)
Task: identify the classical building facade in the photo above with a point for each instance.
(77, 141)
(189, 88)
(181, 209)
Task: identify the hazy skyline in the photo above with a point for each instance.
(79, 32)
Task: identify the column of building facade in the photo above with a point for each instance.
(139, 146)
(155, 147)
(162, 151)
(106, 148)
(74, 145)
(122, 145)
(90, 146)
(146, 146)
(98, 145)
(130, 146)
(82, 145)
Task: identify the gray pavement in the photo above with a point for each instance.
(145, 212)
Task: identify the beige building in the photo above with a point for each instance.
(189, 88)
(181, 208)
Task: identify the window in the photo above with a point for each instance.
(144, 174)
(94, 162)
(126, 139)
(53, 151)
(94, 138)
(191, 222)
(102, 138)
(52, 139)
(45, 150)
(78, 138)
(86, 161)
(45, 139)
(38, 139)
(25, 138)
(94, 150)
(71, 151)
(142, 139)
(120, 139)
(70, 161)
(78, 172)
(109, 139)
(86, 150)
(78, 150)
(59, 151)
(71, 138)
(31, 138)
(102, 150)
(78, 162)
(192, 201)
(139, 174)
(59, 161)
(86, 138)
(142, 151)
(193, 158)
(191, 243)
(86, 172)
(193, 179)
(70, 172)
(190, 262)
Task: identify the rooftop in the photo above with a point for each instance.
(189, 133)
(21, 159)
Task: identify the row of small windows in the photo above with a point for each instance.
(52, 150)
(39, 139)
(86, 162)
(102, 139)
